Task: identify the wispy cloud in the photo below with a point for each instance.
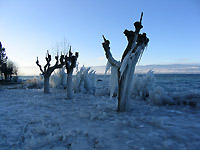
(184, 60)
(101, 58)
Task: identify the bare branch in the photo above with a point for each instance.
(138, 25)
(141, 17)
(37, 62)
(48, 59)
(111, 60)
(70, 61)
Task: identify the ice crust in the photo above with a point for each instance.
(30, 119)
(33, 120)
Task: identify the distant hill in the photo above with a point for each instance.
(173, 68)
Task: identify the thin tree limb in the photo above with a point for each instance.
(37, 62)
(111, 60)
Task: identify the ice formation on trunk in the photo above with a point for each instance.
(70, 64)
(113, 78)
(46, 84)
(70, 92)
(126, 67)
(85, 81)
(126, 78)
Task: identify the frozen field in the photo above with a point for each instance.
(30, 119)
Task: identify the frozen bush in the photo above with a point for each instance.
(158, 96)
(85, 81)
(34, 83)
(143, 85)
(58, 79)
(145, 88)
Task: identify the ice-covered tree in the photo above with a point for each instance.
(126, 67)
(70, 64)
(48, 69)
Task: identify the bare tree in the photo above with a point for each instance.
(48, 69)
(70, 64)
(126, 67)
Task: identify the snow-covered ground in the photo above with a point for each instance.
(30, 119)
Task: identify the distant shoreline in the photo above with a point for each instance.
(35, 76)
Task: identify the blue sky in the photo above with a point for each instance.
(29, 27)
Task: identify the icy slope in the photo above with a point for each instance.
(32, 120)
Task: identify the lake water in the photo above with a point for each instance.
(184, 86)
(179, 86)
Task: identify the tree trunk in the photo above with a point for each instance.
(69, 86)
(46, 84)
(125, 79)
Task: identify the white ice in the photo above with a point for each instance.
(30, 119)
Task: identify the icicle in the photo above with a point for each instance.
(113, 78)
(108, 66)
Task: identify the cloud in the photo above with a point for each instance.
(184, 60)
(101, 58)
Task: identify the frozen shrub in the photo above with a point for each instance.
(85, 81)
(145, 88)
(34, 83)
(144, 84)
(158, 96)
(58, 79)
